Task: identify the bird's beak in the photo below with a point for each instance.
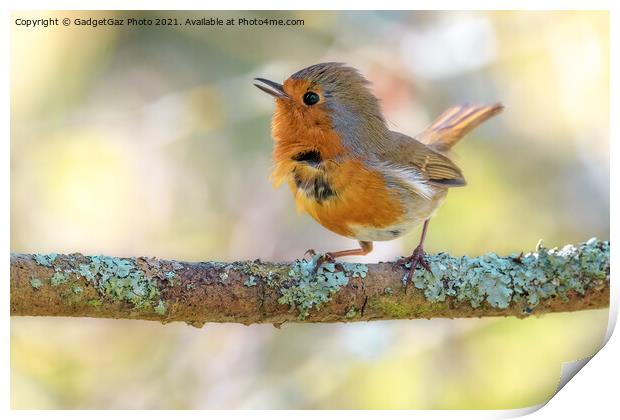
(272, 88)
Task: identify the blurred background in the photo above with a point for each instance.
(152, 141)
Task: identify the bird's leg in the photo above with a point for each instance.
(365, 248)
(417, 257)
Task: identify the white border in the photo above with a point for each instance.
(591, 394)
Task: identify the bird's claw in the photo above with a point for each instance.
(327, 257)
(311, 253)
(415, 259)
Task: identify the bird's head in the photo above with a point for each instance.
(326, 96)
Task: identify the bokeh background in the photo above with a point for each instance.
(152, 141)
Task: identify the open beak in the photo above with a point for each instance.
(272, 88)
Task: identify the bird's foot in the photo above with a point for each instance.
(327, 257)
(310, 253)
(415, 259)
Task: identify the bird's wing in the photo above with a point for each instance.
(431, 166)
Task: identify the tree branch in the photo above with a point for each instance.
(548, 280)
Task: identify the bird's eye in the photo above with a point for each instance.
(311, 98)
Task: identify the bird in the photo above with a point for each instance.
(349, 171)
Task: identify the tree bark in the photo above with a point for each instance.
(548, 280)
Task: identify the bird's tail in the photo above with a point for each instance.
(454, 123)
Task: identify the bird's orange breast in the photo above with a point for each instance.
(336, 189)
(352, 195)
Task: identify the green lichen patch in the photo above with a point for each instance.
(392, 307)
(170, 275)
(354, 269)
(160, 309)
(270, 274)
(58, 278)
(351, 313)
(251, 281)
(77, 289)
(120, 279)
(223, 277)
(45, 260)
(306, 290)
(36, 283)
(529, 278)
(94, 302)
(86, 272)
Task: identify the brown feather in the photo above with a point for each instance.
(455, 123)
(434, 167)
(426, 153)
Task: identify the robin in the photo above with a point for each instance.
(349, 171)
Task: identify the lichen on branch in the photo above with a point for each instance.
(575, 277)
